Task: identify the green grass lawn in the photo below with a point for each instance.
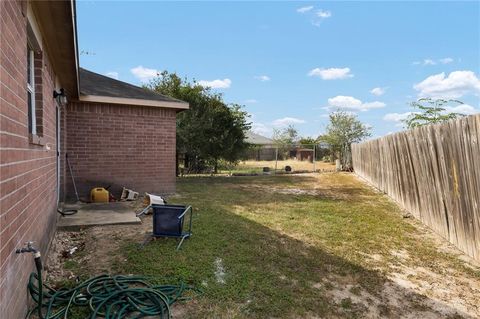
(297, 246)
(286, 244)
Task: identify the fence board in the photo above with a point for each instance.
(434, 173)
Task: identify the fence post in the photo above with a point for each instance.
(314, 156)
(276, 159)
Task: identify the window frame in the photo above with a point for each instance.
(32, 116)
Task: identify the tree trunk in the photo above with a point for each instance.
(177, 165)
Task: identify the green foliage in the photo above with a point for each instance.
(285, 136)
(210, 130)
(343, 130)
(307, 141)
(284, 139)
(431, 111)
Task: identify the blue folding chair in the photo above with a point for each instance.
(169, 221)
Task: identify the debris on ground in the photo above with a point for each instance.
(151, 199)
(129, 195)
(219, 270)
(64, 246)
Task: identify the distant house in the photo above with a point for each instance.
(257, 139)
(262, 148)
(302, 154)
(113, 132)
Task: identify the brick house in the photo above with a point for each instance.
(121, 135)
(113, 132)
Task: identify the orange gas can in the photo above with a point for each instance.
(99, 195)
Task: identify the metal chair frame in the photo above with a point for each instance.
(181, 234)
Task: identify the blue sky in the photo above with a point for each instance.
(294, 62)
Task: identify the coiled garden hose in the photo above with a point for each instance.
(104, 296)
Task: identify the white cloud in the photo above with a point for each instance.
(216, 84)
(372, 105)
(378, 91)
(331, 73)
(266, 129)
(462, 109)
(446, 60)
(144, 74)
(434, 62)
(261, 129)
(113, 75)
(320, 16)
(429, 62)
(323, 14)
(251, 101)
(397, 117)
(287, 121)
(262, 78)
(304, 9)
(349, 103)
(316, 16)
(455, 85)
(341, 101)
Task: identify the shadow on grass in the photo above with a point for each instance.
(268, 273)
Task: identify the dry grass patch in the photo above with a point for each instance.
(257, 166)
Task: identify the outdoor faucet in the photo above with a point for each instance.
(28, 249)
(34, 251)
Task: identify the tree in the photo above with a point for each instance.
(210, 130)
(285, 136)
(307, 141)
(431, 111)
(343, 130)
(284, 139)
(226, 135)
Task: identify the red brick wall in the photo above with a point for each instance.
(121, 145)
(28, 178)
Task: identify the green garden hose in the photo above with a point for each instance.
(105, 296)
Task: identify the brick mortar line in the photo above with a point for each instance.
(26, 161)
(12, 134)
(13, 177)
(18, 229)
(9, 88)
(22, 239)
(13, 120)
(24, 186)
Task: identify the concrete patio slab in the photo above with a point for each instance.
(98, 214)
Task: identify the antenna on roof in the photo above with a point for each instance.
(86, 52)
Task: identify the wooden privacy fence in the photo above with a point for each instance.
(434, 173)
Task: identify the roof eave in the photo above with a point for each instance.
(181, 106)
(61, 46)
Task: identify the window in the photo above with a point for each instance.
(32, 125)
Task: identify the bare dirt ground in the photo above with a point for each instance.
(437, 289)
(95, 248)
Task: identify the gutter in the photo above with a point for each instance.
(75, 43)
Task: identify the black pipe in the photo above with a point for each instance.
(37, 256)
(67, 212)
